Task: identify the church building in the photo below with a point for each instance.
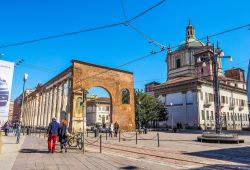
(188, 92)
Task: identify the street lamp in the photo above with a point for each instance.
(25, 78)
(172, 119)
(139, 116)
(216, 84)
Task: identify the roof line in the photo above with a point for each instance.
(100, 66)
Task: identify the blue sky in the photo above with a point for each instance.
(26, 20)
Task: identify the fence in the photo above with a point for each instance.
(97, 139)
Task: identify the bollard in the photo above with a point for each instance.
(136, 137)
(100, 143)
(106, 135)
(119, 136)
(158, 139)
(83, 142)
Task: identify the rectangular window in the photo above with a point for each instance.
(178, 63)
(207, 115)
(107, 108)
(212, 115)
(226, 100)
(203, 115)
(228, 117)
(211, 97)
(223, 99)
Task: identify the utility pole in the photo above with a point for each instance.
(84, 108)
(139, 115)
(216, 84)
(25, 77)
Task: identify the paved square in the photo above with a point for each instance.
(176, 151)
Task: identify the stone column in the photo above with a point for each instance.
(59, 102)
(40, 110)
(54, 102)
(24, 113)
(41, 113)
(27, 113)
(49, 106)
(64, 102)
(45, 123)
(31, 112)
(35, 111)
(43, 106)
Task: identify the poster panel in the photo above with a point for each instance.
(6, 76)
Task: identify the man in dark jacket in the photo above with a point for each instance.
(116, 128)
(52, 134)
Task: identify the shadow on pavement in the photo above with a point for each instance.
(223, 167)
(33, 151)
(129, 167)
(237, 155)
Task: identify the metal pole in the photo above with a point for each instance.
(136, 137)
(100, 143)
(119, 136)
(21, 114)
(172, 120)
(106, 135)
(158, 139)
(83, 142)
(139, 114)
(216, 92)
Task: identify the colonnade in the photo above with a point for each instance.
(41, 105)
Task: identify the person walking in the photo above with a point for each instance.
(53, 130)
(63, 134)
(6, 128)
(17, 131)
(111, 127)
(116, 128)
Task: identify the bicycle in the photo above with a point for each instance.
(76, 141)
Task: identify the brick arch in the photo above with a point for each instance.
(110, 96)
(86, 76)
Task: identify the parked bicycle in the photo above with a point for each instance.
(76, 141)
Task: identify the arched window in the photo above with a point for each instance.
(125, 96)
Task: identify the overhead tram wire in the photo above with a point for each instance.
(146, 11)
(81, 31)
(123, 10)
(217, 34)
(149, 39)
(156, 52)
(62, 35)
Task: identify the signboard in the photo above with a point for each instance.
(6, 76)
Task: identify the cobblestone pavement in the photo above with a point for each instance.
(9, 150)
(34, 155)
(176, 151)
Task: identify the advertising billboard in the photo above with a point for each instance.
(6, 76)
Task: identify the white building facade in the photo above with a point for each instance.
(98, 111)
(188, 93)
